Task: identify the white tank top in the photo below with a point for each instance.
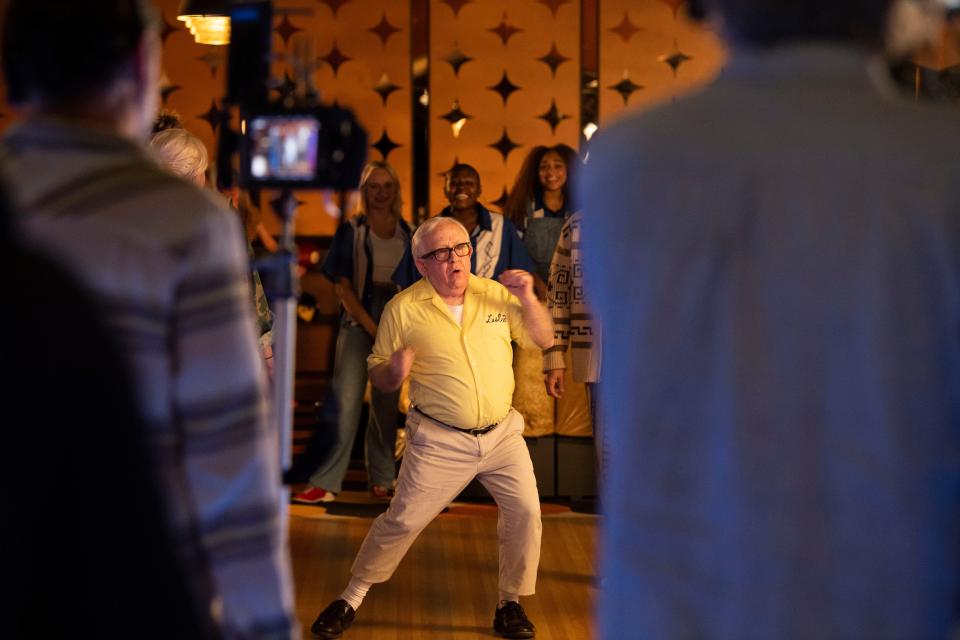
(386, 256)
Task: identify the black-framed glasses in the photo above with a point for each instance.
(443, 253)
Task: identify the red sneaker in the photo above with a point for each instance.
(381, 492)
(314, 495)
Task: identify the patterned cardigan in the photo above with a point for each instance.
(573, 323)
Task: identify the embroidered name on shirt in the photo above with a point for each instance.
(500, 317)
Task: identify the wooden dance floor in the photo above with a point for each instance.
(446, 586)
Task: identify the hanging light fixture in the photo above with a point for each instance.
(208, 20)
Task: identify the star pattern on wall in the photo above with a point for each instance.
(384, 29)
(335, 58)
(553, 59)
(456, 117)
(504, 87)
(674, 59)
(504, 145)
(214, 116)
(504, 30)
(625, 87)
(384, 145)
(456, 161)
(457, 59)
(285, 88)
(167, 29)
(553, 5)
(385, 87)
(212, 59)
(334, 5)
(456, 5)
(553, 116)
(674, 5)
(626, 29)
(501, 202)
(286, 29)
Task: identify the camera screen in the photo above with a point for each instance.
(283, 147)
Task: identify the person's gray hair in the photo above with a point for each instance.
(427, 227)
(180, 152)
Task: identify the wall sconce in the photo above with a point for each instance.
(208, 20)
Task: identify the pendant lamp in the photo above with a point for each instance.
(208, 20)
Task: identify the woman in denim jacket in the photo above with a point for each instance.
(363, 256)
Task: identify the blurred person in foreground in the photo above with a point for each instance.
(63, 425)
(184, 155)
(168, 264)
(778, 267)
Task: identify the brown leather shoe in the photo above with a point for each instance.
(511, 622)
(333, 621)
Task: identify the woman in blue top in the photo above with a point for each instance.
(365, 251)
(540, 202)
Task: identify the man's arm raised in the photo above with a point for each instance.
(536, 319)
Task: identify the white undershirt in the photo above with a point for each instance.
(387, 253)
(456, 310)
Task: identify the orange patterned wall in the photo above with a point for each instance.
(651, 52)
(513, 67)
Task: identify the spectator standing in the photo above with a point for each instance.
(365, 251)
(73, 413)
(167, 262)
(777, 265)
(541, 201)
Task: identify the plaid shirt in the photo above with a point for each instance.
(169, 265)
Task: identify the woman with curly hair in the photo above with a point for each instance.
(541, 201)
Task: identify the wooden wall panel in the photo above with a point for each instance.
(651, 52)
(474, 46)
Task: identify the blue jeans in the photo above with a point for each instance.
(343, 404)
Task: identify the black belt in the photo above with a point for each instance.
(473, 432)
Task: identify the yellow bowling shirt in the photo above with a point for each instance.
(461, 375)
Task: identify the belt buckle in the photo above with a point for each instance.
(481, 430)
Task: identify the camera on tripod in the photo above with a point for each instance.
(301, 149)
(286, 144)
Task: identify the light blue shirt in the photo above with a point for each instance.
(777, 264)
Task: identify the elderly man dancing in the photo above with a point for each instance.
(451, 333)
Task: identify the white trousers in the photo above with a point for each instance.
(438, 464)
